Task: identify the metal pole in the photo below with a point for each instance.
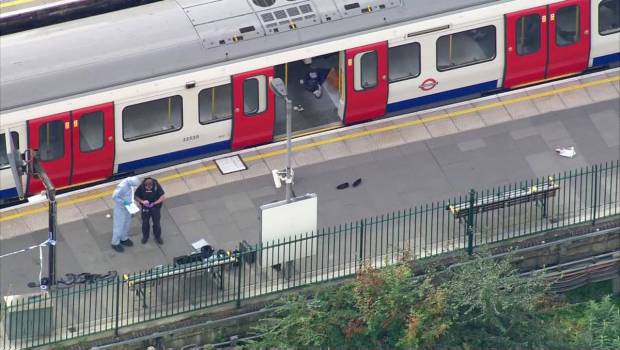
(52, 237)
(52, 214)
(239, 272)
(595, 190)
(279, 88)
(118, 305)
(470, 222)
(289, 174)
(361, 243)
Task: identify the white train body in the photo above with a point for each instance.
(89, 72)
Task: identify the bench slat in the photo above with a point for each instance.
(506, 199)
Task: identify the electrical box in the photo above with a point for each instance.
(28, 316)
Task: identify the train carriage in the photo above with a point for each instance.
(150, 86)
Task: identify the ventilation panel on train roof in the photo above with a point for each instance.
(294, 15)
(222, 22)
(226, 22)
(349, 8)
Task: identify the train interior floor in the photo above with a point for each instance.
(312, 85)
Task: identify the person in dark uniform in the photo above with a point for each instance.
(150, 195)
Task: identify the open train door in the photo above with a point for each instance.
(51, 135)
(93, 143)
(253, 108)
(526, 46)
(366, 82)
(569, 37)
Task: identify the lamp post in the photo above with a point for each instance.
(50, 192)
(30, 165)
(278, 87)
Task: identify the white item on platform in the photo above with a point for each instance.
(568, 152)
(37, 198)
(230, 164)
(199, 244)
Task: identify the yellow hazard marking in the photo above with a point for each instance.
(14, 3)
(329, 140)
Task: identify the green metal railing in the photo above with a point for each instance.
(462, 223)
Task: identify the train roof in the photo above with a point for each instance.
(171, 36)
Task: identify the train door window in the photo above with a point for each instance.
(91, 131)
(466, 48)
(52, 140)
(567, 25)
(404, 62)
(528, 34)
(215, 104)
(152, 118)
(365, 73)
(609, 17)
(255, 95)
(4, 158)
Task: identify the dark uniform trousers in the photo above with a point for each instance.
(153, 213)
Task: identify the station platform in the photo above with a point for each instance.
(403, 161)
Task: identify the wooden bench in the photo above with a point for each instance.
(214, 266)
(535, 193)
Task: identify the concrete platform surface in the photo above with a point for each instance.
(393, 177)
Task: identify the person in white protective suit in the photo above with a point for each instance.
(122, 196)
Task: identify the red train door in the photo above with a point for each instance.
(569, 37)
(547, 42)
(366, 82)
(253, 108)
(74, 147)
(526, 46)
(51, 135)
(93, 143)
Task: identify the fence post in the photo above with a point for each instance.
(595, 190)
(118, 305)
(361, 244)
(240, 270)
(470, 222)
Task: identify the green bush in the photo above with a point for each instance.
(481, 304)
(600, 325)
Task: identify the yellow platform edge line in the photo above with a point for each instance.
(14, 3)
(330, 140)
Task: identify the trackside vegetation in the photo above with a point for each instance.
(480, 304)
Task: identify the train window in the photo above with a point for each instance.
(91, 132)
(609, 17)
(255, 95)
(466, 48)
(52, 140)
(567, 25)
(152, 118)
(404, 62)
(215, 104)
(365, 76)
(528, 34)
(4, 159)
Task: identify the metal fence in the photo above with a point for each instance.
(464, 222)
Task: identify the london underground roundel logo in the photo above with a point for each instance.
(428, 84)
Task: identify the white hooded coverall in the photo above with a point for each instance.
(122, 196)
